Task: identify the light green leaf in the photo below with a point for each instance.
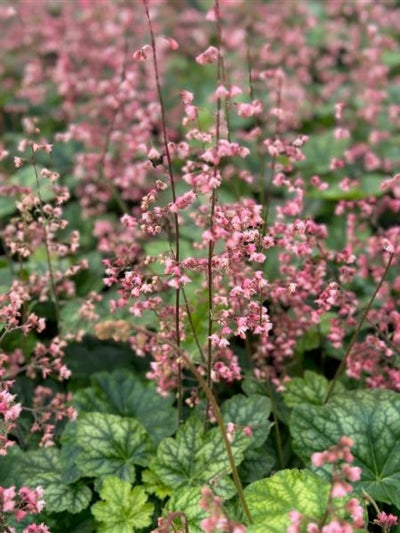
(153, 485)
(127, 395)
(311, 388)
(196, 458)
(252, 411)
(186, 500)
(123, 509)
(112, 445)
(42, 467)
(372, 419)
(270, 500)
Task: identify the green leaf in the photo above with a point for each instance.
(26, 177)
(319, 151)
(250, 385)
(253, 411)
(112, 445)
(372, 419)
(123, 509)
(194, 458)
(310, 340)
(36, 466)
(258, 463)
(311, 388)
(70, 450)
(186, 500)
(153, 485)
(270, 500)
(42, 467)
(125, 394)
(9, 466)
(61, 497)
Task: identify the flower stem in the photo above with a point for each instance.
(217, 413)
(176, 219)
(46, 246)
(356, 332)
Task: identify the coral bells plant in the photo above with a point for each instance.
(199, 266)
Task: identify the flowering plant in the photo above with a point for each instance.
(200, 267)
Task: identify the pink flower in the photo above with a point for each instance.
(208, 57)
(386, 520)
(141, 54)
(7, 496)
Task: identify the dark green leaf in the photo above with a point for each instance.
(253, 411)
(372, 419)
(195, 458)
(112, 445)
(311, 388)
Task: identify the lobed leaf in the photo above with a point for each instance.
(252, 411)
(270, 500)
(311, 388)
(42, 467)
(372, 419)
(124, 394)
(123, 509)
(194, 458)
(112, 445)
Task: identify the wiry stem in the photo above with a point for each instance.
(46, 246)
(176, 219)
(213, 203)
(217, 413)
(109, 183)
(356, 332)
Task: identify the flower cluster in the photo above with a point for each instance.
(347, 515)
(9, 412)
(21, 503)
(217, 521)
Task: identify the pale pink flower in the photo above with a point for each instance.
(209, 56)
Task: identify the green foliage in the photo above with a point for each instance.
(122, 509)
(250, 411)
(125, 394)
(270, 500)
(372, 419)
(111, 445)
(125, 447)
(186, 500)
(43, 467)
(195, 458)
(312, 388)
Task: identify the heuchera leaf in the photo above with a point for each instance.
(372, 419)
(153, 485)
(42, 467)
(112, 445)
(124, 394)
(312, 388)
(124, 509)
(69, 453)
(250, 411)
(270, 500)
(258, 463)
(186, 500)
(195, 458)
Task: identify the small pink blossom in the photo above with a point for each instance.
(386, 520)
(208, 57)
(141, 53)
